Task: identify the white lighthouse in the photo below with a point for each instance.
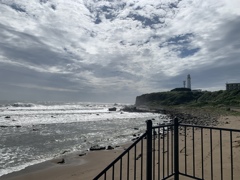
(188, 81)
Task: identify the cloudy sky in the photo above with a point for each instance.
(114, 50)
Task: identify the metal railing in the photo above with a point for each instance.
(179, 150)
(126, 168)
(209, 152)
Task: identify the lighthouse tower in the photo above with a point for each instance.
(188, 81)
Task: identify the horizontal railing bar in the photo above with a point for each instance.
(120, 156)
(208, 127)
(186, 175)
(162, 126)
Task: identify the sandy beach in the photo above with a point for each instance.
(86, 167)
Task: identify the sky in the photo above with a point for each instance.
(115, 50)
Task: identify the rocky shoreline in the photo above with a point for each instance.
(195, 116)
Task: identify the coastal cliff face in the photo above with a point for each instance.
(167, 98)
(189, 98)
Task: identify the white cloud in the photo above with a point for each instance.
(108, 46)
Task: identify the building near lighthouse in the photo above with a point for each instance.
(232, 86)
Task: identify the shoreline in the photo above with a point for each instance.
(206, 116)
(89, 165)
(75, 164)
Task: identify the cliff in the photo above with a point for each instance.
(191, 98)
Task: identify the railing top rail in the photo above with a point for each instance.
(209, 127)
(162, 126)
(120, 156)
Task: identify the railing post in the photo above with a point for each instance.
(149, 150)
(176, 150)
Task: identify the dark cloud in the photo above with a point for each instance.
(17, 7)
(227, 35)
(28, 50)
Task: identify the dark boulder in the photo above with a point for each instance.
(3, 126)
(97, 148)
(65, 151)
(61, 161)
(134, 139)
(110, 147)
(112, 109)
(82, 154)
(139, 156)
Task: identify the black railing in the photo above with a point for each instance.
(211, 153)
(177, 149)
(126, 168)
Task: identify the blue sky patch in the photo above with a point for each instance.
(183, 44)
(185, 52)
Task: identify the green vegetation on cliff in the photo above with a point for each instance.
(191, 98)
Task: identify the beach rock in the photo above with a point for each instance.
(110, 147)
(61, 161)
(82, 154)
(7, 117)
(112, 109)
(139, 156)
(64, 152)
(97, 148)
(3, 126)
(134, 139)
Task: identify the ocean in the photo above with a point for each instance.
(35, 132)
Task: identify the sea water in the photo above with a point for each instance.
(35, 132)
